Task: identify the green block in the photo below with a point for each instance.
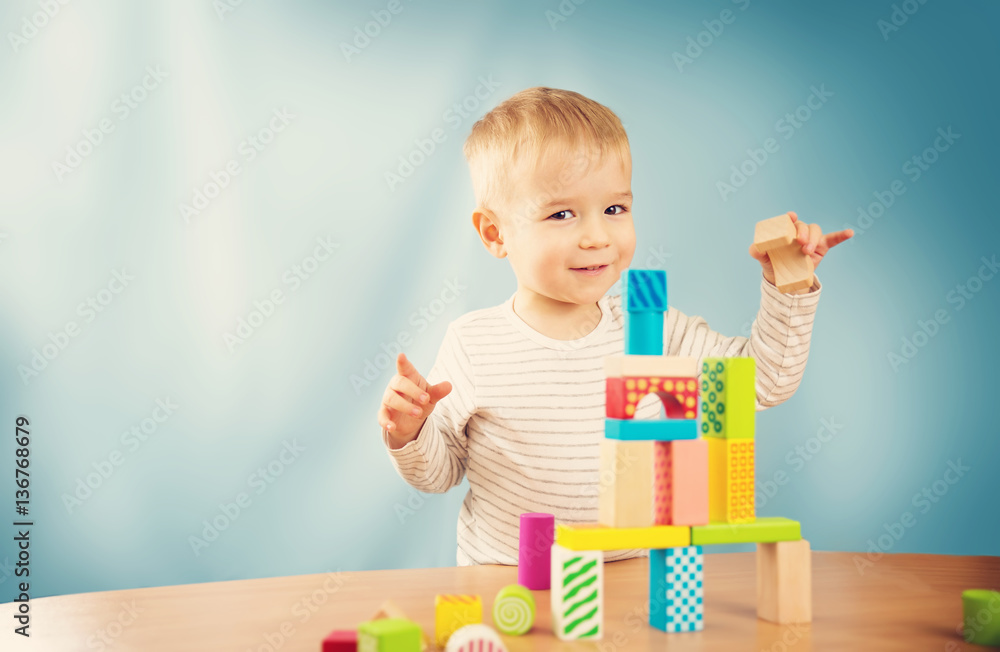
(728, 394)
(981, 610)
(514, 610)
(763, 530)
(389, 635)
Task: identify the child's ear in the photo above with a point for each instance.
(488, 227)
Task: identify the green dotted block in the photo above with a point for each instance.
(762, 530)
(728, 395)
(389, 635)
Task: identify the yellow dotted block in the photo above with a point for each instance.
(452, 612)
(731, 480)
(594, 536)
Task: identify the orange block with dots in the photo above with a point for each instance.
(680, 482)
(730, 480)
(679, 396)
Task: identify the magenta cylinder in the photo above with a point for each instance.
(534, 561)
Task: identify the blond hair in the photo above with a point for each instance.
(524, 127)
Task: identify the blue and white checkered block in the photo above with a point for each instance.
(676, 589)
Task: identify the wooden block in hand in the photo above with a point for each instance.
(784, 582)
(793, 270)
(774, 233)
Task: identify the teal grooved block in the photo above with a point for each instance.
(643, 333)
(644, 290)
(650, 430)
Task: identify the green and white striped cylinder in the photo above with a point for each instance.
(577, 593)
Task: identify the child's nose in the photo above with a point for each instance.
(595, 234)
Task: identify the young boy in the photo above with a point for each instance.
(515, 399)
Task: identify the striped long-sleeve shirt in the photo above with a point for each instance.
(526, 413)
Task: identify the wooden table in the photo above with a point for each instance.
(903, 602)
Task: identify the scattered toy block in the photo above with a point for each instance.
(644, 333)
(731, 480)
(644, 290)
(534, 550)
(650, 429)
(452, 612)
(514, 609)
(594, 536)
(774, 232)
(475, 638)
(625, 486)
(793, 270)
(728, 397)
(784, 582)
(980, 623)
(767, 529)
(340, 640)
(679, 395)
(390, 609)
(619, 366)
(577, 593)
(676, 589)
(389, 635)
(680, 483)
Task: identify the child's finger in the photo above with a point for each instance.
(385, 419)
(815, 237)
(758, 255)
(439, 391)
(405, 368)
(802, 233)
(407, 387)
(399, 403)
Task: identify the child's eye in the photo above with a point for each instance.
(561, 215)
(621, 209)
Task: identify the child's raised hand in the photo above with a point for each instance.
(814, 243)
(408, 401)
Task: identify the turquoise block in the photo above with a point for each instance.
(643, 333)
(644, 290)
(650, 430)
(677, 589)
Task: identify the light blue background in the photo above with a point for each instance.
(339, 504)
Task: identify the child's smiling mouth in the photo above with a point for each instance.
(590, 271)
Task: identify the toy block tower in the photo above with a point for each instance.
(675, 484)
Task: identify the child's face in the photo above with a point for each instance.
(570, 213)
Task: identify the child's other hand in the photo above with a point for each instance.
(813, 242)
(408, 401)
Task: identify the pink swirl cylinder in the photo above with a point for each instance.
(534, 561)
